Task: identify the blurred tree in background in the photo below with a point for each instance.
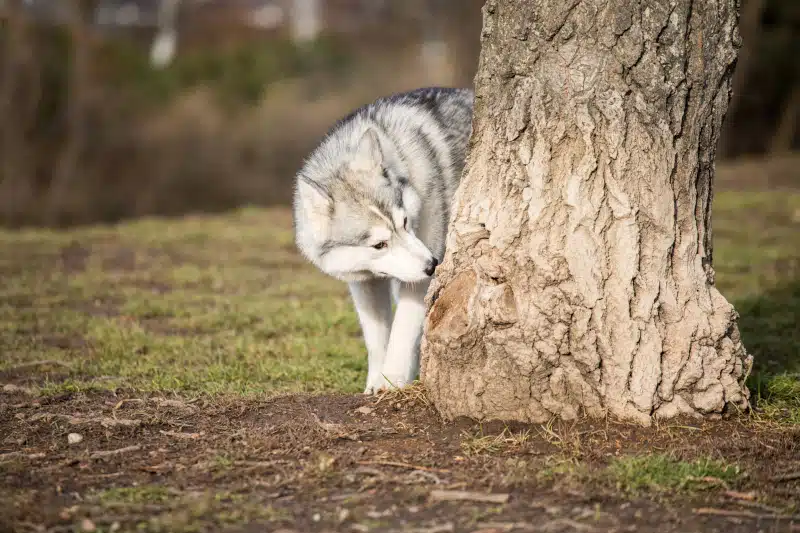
(766, 104)
(93, 130)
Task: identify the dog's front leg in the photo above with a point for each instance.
(372, 300)
(402, 355)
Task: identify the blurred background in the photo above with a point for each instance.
(114, 109)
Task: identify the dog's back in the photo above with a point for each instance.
(449, 108)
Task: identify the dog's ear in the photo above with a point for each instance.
(368, 155)
(313, 197)
(318, 188)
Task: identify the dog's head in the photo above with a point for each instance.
(360, 222)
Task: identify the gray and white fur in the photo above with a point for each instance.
(371, 207)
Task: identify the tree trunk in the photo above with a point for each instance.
(578, 276)
(784, 135)
(79, 84)
(12, 66)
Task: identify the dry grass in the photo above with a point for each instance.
(477, 443)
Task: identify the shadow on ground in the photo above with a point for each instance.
(770, 328)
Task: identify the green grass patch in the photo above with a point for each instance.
(778, 397)
(205, 304)
(660, 473)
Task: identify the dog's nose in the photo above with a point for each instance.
(431, 267)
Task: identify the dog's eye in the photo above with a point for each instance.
(380, 246)
(385, 173)
(405, 222)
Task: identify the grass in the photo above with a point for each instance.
(203, 304)
(660, 473)
(478, 443)
(224, 305)
(778, 396)
(564, 469)
(757, 260)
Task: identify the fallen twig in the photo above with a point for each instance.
(503, 526)
(747, 496)
(463, 495)
(369, 471)
(438, 528)
(127, 400)
(560, 523)
(12, 455)
(111, 453)
(159, 468)
(180, 435)
(105, 421)
(10, 388)
(165, 402)
(430, 476)
(336, 430)
(757, 505)
(743, 514)
(106, 476)
(404, 465)
(791, 476)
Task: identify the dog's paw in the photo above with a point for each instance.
(381, 382)
(395, 381)
(375, 383)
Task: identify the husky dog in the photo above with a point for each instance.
(371, 208)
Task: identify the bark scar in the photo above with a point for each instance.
(449, 317)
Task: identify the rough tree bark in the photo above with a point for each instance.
(578, 276)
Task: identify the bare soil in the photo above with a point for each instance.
(352, 463)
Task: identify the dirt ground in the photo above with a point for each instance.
(352, 463)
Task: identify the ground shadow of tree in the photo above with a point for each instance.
(770, 328)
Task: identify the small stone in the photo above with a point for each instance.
(317, 517)
(87, 525)
(67, 512)
(74, 438)
(364, 410)
(325, 462)
(344, 514)
(114, 527)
